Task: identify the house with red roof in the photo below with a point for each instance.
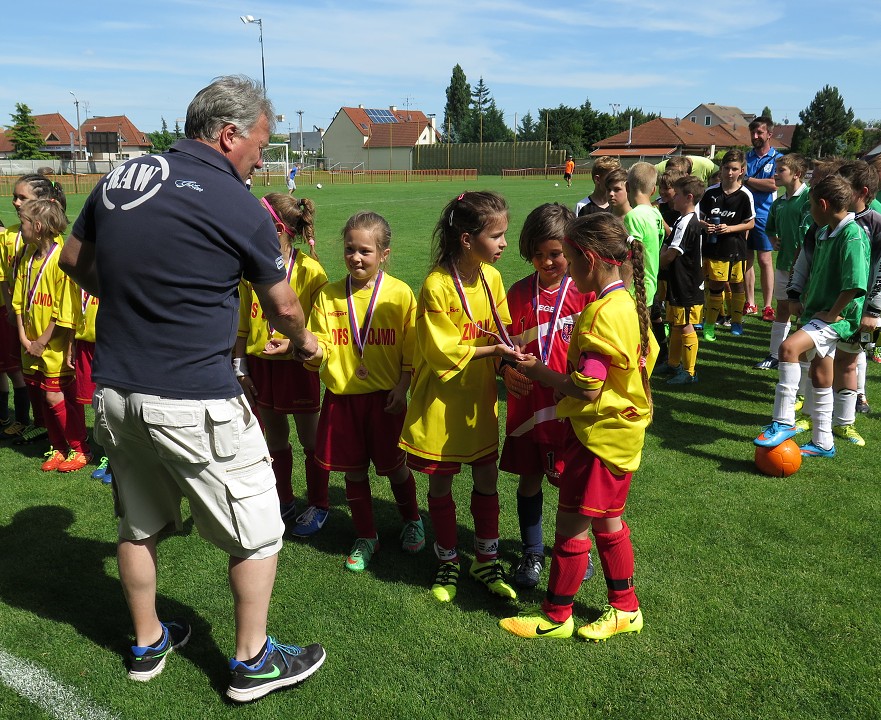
(55, 131)
(377, 138)
(114, 137)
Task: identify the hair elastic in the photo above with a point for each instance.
(277, 219)
(452, 210)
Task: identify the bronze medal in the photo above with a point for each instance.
(361, 373)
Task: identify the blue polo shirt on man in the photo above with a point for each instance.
(762, 168)
(174, 234)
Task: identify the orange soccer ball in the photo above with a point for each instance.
(780, 461)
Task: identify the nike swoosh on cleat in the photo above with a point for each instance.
(539, 631)
(266, 676)
(632, 620)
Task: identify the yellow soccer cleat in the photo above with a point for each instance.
(445, 582)
(491, 574)
(612, 622)
(533, 623)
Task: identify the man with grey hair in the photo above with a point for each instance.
(163, 241)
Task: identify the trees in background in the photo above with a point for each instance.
(25, 135)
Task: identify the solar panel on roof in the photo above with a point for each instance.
(380, 117)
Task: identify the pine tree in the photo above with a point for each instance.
(25, 135)
(766, 112)
(528, 128)
(161, 140)
(823, 121)
(456, 109)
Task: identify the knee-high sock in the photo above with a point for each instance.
(75, 423)
(485, 511)
(616, 555)
(689, 352)
(405, 498)
(779, 331)
(805, 386)
(361, 505)
(844, 407)
(442, 511)
(784, 396)
(675, 357)
(713, 308)
(317, 481)
(861, 373)
(529, 511)
(56, 422)
(821, 418)
(568, 565)
(22, 405)
(282, 467)
(735, 308)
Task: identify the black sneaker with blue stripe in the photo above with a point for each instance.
(279, 666)
(146, 663)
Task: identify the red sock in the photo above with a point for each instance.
(405, 498)
(56, 419)
(282, 468)
(485, 511)
(568, 565)
(76, 421)
(361, 504)
(442, 511)
(317, 480)
(616, 555)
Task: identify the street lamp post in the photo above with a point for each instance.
(248, 19)
(79, 140)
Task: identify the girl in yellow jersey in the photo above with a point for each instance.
(45, 317)
(364, 327)
(277, 385)
(606, 398)
(453, 415)
(27, 187)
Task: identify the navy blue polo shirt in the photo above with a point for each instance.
(173, 235)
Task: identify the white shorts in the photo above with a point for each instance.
(825, 339)
(210, 451)
(292, 185)
(781, 280)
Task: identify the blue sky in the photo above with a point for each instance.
(147, 60)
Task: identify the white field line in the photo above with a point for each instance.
(35, 684)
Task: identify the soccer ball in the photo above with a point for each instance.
(556, 184)
(780, 461)
(318, 186)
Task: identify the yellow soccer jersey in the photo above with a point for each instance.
(10, 243)
(388, 350)
(613, 426)
(453, 411)
(40, 296)
(87, 313)
(307, 279)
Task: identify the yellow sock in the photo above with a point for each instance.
(689, 351)
(674, 355)
(712, 309)
(738, 300)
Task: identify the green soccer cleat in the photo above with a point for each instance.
(413, 536)
(612, 622)
(849, 433)
(491, 574)
(709, 332)
(362, 551)
(446, 581)
(533, 623)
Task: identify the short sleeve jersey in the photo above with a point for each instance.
(789, 220)
(588, 207)
(734, 208)
(840, 262)
(11, 249)
(685, 275)
(646, 224)
(532, 313)
(305, 276)
(174, 234)
(870, 220)
(613, 425)
(389, 341)
(762, 168)
(453, 411)
(86, 314)
(43, 293)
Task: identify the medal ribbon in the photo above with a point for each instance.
(546, 343)
(33, 288)
(85, 297)
(359, 334)
(290, 271)
(611, 287)
(502, 335)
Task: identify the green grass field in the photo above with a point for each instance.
(760, 594)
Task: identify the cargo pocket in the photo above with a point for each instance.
(253, 503)
(101, 430)
(177, 431)
(223, 430)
